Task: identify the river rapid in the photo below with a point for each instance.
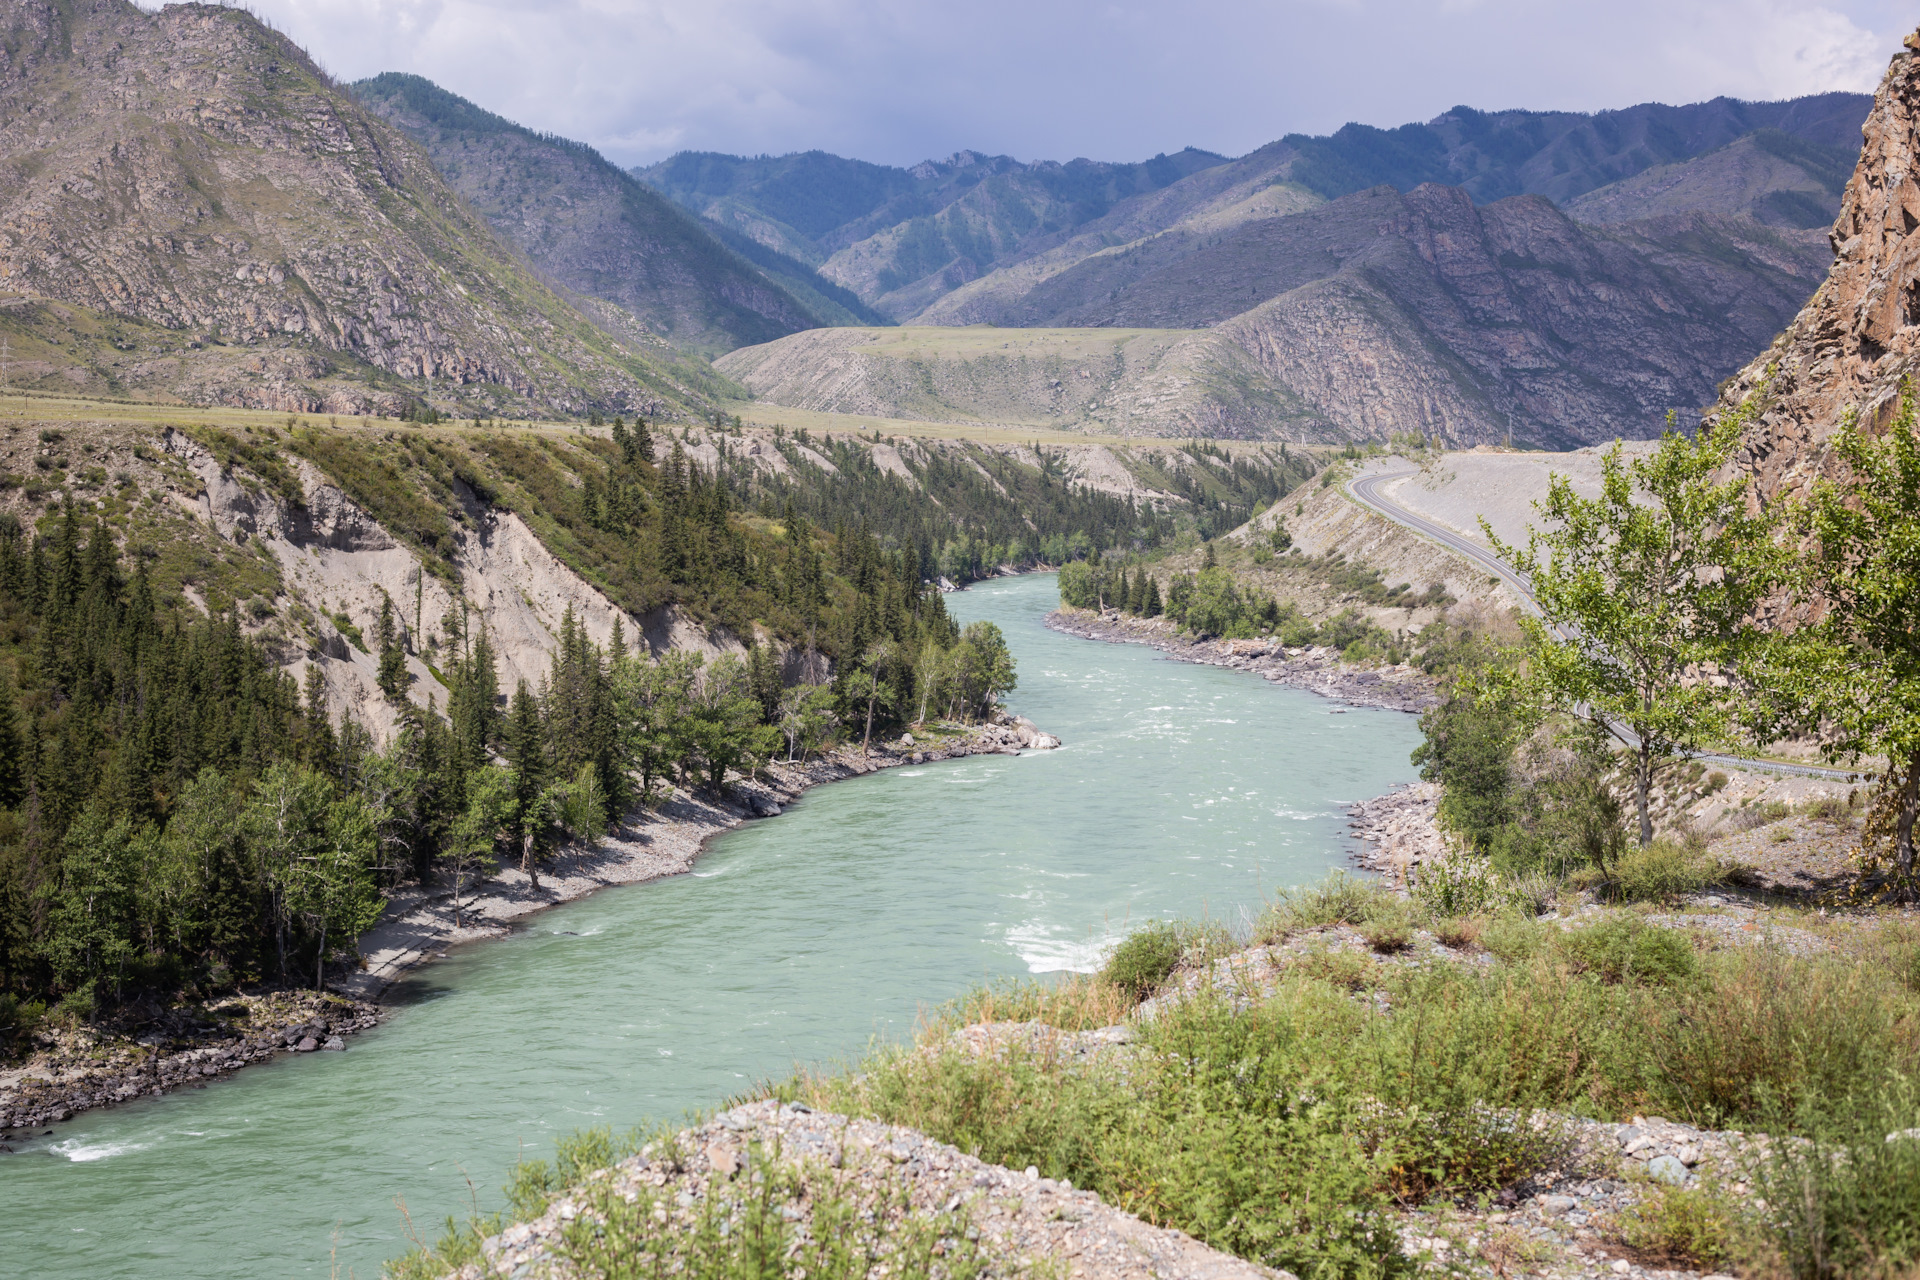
(1181, 790)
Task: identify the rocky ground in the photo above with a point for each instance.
(1020, 1218)
(149, 1052)
(1319, 668)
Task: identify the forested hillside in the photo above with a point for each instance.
(225, 736)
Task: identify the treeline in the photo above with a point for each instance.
(178, 814)
(1212, 603)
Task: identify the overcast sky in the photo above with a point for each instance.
(1053, 79)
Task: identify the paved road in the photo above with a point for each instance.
(1366, 491)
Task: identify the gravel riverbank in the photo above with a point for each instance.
(148, 1051)
(1318, 669)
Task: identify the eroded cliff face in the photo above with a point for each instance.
(193, 170)
(337, 560)
(1851, 347)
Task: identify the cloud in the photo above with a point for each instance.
(906, 80)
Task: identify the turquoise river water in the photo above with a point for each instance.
(1181, 790)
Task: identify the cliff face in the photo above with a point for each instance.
(1859, 338)
(195, 171)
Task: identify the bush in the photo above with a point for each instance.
(1622, 948)
(1694, 1227)
(1339, 899)
(1458, 884)
(1847, 1203)
(1144, 960)
(19, 1019)
(1766, 1032)
(1080, 1002)
(1661, 872)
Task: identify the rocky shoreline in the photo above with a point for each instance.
(1398, 831)
(159, 1051)
(1318, 669)
(180, 1048)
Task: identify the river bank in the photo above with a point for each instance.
(1318, 669)
(152, 1051)
(649, 845)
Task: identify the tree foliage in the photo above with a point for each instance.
(1648, 595)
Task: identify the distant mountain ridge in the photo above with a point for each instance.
(249, 234)
(906, 240)
(591, 227)
(1378, 313)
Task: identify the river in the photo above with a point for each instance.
(1182, 790)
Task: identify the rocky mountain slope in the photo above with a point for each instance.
(597, 230)
(1858, 340)
(899, 238)
(1769, 176)
(193, 171)
(916, 243)
(1376, 313)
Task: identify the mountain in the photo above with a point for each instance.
(596, 230)
(1853, 346)
(1376, 313)
(925, 244)
(898, 238)
(1769, 176)
(247, 233)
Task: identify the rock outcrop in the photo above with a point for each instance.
(195, 173)
(1851, 347)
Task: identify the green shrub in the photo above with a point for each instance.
(747, 1230)
(1622, 948)
(1339, 899)
(1847, 1203)
(1387, 936)
(1144, 960)
(1766, 1031)
(1693, 1227)
(1661, 872)
(19, 1019)
(1458, 884)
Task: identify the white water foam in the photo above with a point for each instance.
(80, 1152)
(1043, 952)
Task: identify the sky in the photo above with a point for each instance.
(898, 81)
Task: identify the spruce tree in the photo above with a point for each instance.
(1151, 608)
(527, 749)
(393, 659)
(13, 774)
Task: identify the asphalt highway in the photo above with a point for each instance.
(1366, 491)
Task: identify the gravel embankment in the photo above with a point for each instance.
(79, 1071)
(1021, 1217)
(1318, 669)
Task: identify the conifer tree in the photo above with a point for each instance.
(392, 677)
(526, 748)
(1151, 607)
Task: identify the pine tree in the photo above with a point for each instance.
(526, 748)
(642, 439)
(13, 778)
(392, 677)
(1151, 608)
